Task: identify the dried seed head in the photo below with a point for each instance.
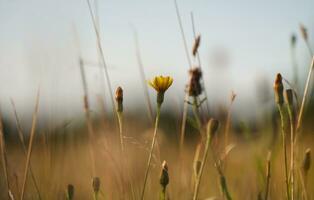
(303, 32)
(212, 127)
(289, 97)
(293, 40)
(196, 45)
(307, 161)
(119, 99)
(70, 191)
(164, 176)
(96, 184)
(195, 87)
(278, 89)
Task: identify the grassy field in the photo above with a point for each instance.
(196, 152)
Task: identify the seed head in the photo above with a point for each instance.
(194, 87)
(278, 89)
(96, 184)
(70, 191)
(307, 161)
(164, 176)
(196, 45)
(119, 99)
(303, 32)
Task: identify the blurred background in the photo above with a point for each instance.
(243, 45)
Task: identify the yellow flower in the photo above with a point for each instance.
(161, 83)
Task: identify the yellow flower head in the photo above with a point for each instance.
(161, 84)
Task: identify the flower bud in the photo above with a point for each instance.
(164, 176)
(96, 184)
(278, 89)
(119, 99)
(307, 161)
(70, 191)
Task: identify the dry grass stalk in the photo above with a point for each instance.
(143, 77)
(212, 128)
(228, 122)
(197, 39)
(289, 102)
(102, 56)
(30, 145)
(4, 158)
(21, 137)
(268, 175)
(279, 99)
(89, 123)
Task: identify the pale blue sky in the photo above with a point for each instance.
(37, 45)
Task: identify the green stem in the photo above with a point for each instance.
(281, 112)
(162, 193)
(197, 113)
(199, 175)
(291, 118)
(120, 130)
(151, 150)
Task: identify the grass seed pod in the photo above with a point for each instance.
(119, 99)
(278, 89)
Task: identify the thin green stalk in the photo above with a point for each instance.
(291, 119)
(281, 112)
(120, 131)
(162, 195)
(151, 150)
(197, 113)
(222, 178)
(200, 173)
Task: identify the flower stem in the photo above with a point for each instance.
(199, 175)
(281, 112)
(151, 150)
(291, 118)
